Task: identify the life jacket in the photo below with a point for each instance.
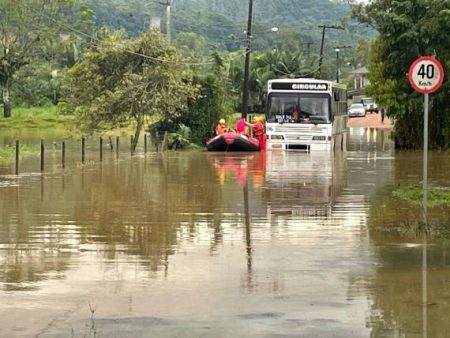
(258, 129)
(240, 127)
(221, 129)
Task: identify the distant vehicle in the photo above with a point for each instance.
(357, 110)
(369, 105)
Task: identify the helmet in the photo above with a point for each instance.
(222, 121)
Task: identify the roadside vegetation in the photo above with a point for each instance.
(46, 117)
(413, 194)
(408, 30)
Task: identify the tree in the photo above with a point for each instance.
(122, 80)
(25, 27)
(409, 29)
(214, 102)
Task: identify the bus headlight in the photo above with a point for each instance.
(319, 138)
(276, 137)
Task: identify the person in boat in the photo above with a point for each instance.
(259, 131)
(222, 127)
(241, 127)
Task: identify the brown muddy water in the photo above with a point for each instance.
(190, 244)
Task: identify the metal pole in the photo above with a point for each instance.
(247, 61)
(425, 159)
(424, 286)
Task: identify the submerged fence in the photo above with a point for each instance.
(159, 143)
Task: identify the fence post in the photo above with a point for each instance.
(117, 146)
(145, 143)
(63, 155)
(17, 156)
(101, 149)
(83, 144)
(164, 142)
(42, 155)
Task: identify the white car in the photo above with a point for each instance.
(370, 105)
(357, 109)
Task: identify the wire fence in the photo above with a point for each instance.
(96, 148)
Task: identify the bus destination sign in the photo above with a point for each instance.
(300, 86)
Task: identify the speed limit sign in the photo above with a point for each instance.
(426, 75)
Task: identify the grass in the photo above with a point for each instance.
(437, 196)
(8, 154)
(36, 118)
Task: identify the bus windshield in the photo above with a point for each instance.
(298, 108)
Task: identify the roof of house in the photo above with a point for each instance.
(362, 70)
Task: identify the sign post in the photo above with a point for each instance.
(425, 76)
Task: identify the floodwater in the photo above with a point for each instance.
(190, 244)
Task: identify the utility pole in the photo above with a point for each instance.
(168, 19)
(247, 61)
(167, 4)
(308, 49)
(324, 27)
(337, 64)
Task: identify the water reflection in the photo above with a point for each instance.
(209, 244)
(238, 166)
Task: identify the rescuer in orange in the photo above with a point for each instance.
(222, 127)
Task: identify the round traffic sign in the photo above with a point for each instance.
(426, 75)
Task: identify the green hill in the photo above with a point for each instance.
(223, 23)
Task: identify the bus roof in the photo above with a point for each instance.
(303, 84)
(299, 79)
(307, 80)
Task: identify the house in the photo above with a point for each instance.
(360, 78)
(360, 81)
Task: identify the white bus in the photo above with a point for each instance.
(306, 114)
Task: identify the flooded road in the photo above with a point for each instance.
(189, 244)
